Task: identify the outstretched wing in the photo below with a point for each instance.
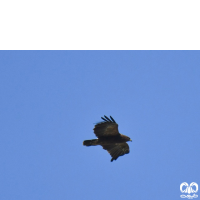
(116, 150)
(106, 128)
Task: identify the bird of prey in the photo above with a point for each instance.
(109, 138)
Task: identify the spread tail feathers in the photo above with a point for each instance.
(90, 142)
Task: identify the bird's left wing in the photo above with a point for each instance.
(116, 150)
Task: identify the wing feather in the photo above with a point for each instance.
(107, 119)
(112, 119)
(106, 128)
(116, 150)
(104, 119)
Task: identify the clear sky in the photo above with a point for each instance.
(51, 100)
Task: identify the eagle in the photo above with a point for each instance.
(109, 138)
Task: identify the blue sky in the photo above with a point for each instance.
(51, 100)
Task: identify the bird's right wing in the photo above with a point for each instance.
(106, 128)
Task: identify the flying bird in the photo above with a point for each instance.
(109, 138)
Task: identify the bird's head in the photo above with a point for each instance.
(126, 138)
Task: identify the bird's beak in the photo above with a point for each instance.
(130, 140)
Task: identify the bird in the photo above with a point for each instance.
(109, 138)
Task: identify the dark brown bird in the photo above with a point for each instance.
(109, 138)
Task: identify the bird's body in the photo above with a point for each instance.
(109, 138)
